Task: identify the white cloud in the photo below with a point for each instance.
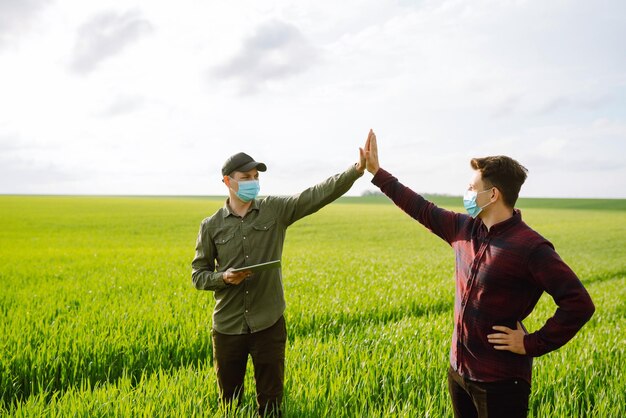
(275, 50)
(123, 105)
(551, 147)
(16, 17)
(105, 35)
(440, 82)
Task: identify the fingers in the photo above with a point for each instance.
(367, 141)
(236, 278)
(372, 140)
(371, 153)
(508, 339)
(362, 163)
(498, 338)
(502, 347)
(502, 328)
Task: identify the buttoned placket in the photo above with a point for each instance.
(246, 254)
(474, 267)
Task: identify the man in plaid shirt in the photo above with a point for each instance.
(502, 268)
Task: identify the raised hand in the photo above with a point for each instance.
(360, 166)
(371, 153)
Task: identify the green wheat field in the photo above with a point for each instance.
(98, 316)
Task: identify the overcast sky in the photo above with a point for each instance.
(150, 97)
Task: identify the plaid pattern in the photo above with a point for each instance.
(500, 275)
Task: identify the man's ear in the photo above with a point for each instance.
(496, 194)
(226, 181)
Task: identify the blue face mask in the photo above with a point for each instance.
(248, 190)
(469, 202)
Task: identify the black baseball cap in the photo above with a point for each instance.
(241, 162)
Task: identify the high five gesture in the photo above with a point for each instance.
(371, 153)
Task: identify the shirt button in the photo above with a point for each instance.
(244, 237)
(247, 256)
(247, 292)
(246, 311)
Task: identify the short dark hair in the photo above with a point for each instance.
(504, 173)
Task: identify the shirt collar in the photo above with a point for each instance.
(504, 225)
(227, 211)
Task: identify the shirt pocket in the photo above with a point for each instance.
(264, 225)
(263, 239)
(225, 246)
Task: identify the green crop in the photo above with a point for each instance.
(99, 316)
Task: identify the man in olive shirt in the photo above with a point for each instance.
(248, 315)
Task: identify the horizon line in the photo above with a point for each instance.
(365, 195)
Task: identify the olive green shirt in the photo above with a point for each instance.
(227, 240)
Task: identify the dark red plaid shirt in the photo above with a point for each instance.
(500, 275)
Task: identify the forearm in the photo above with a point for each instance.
(406, 199)
(574, 304)
(314, 198)
(207, 280)
(559, 329)
(441, 222)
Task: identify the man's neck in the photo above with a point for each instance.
(238, 206)
(496, 215)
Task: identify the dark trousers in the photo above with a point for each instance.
(267, 349)
(505, 399)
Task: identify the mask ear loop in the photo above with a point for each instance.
(228, 184)
(490, 201)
